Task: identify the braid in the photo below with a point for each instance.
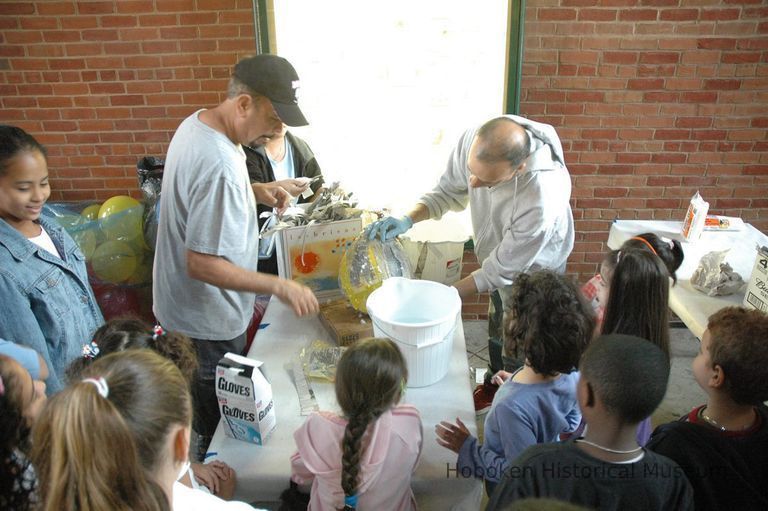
(352, 449)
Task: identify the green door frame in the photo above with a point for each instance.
(261, 23)
(515, 33)
(514, 63)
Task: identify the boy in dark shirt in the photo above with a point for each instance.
(623, 380)
(723, 445)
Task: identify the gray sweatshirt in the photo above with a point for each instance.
(522, 224)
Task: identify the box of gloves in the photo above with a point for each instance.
(756, 296)
(245, 399)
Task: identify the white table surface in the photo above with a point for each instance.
(263, 471)
(692, 306)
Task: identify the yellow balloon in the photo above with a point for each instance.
(143, 273)
(86, 240)
(114, 261)
(91, 213)
(121, 218)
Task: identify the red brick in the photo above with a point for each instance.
(645, 84)
(135, 6)
(679, 14)
(91, 7)
(717, 44)
(659, 58)
(557, 14)
(638, 15)
(698, 97)
(719, 14)
(597, 14)
(661, 97)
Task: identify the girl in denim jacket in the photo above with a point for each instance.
(46, 302)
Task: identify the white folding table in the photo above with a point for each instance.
(692, 306)
(264, 471)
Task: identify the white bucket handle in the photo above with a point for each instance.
(430, 343)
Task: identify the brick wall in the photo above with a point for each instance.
(102, 83)
(654, 99)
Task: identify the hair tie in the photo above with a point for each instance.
(100, 384)
(157, 331)
(350, 501)
(90, 351)
(647, 243)
(2, 387)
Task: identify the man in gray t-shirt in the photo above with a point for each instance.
(205, 273)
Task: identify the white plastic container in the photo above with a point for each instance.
(420, 316)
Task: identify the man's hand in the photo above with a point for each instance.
(271, 194)
(389, 227)
(294, 186)
(301, 299)
(452, 436)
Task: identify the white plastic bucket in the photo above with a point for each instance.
(420, 316)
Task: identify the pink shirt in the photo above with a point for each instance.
(392, 450)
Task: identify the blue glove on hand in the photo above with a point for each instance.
(388, 228)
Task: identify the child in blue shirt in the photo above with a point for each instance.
(46, 302)
(550, 325)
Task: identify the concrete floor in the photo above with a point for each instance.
(682, 393)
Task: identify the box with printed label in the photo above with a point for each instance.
(245, 399)
(756, 296)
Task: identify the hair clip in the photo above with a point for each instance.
(350, 502)
(90, 351)
(100, 384)
(157, 331)
(2, 387)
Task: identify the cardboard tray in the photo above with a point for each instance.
(344, 323)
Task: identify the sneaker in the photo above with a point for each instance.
(483, 397)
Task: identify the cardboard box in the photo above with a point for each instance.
(245, 399)
(756, 296)
(344, 323)
(311, 254)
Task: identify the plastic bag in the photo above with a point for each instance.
(714, 277)
(320, 360)
(368, 263)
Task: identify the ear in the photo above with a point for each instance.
(242, 103)
(717, 378)
(585, 394)
(181, 443)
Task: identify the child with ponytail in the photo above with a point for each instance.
(365, 458)
(127, 333)
(118, 440)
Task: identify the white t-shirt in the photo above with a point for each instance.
(188, 499)
(45, 242)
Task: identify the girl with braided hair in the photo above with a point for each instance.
(365, 458)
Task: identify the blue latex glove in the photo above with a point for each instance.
(390, 227)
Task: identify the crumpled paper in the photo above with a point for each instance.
(714, 277)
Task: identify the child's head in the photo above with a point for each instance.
(549, 322)
(23, 175)
(638, 300)
(370, 379)
(734, 355)
(627, 374)
(21, 400)
(132, 333)
(670, 252)
(116, 431)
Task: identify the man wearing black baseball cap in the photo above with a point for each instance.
(205, 273)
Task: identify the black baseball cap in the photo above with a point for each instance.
(275, 78)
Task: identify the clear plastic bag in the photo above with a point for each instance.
(715, 277)
(320, 360)
(368, 263)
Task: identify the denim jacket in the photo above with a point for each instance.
(46, 302)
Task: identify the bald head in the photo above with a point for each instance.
(502, 139)
(498, 152)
